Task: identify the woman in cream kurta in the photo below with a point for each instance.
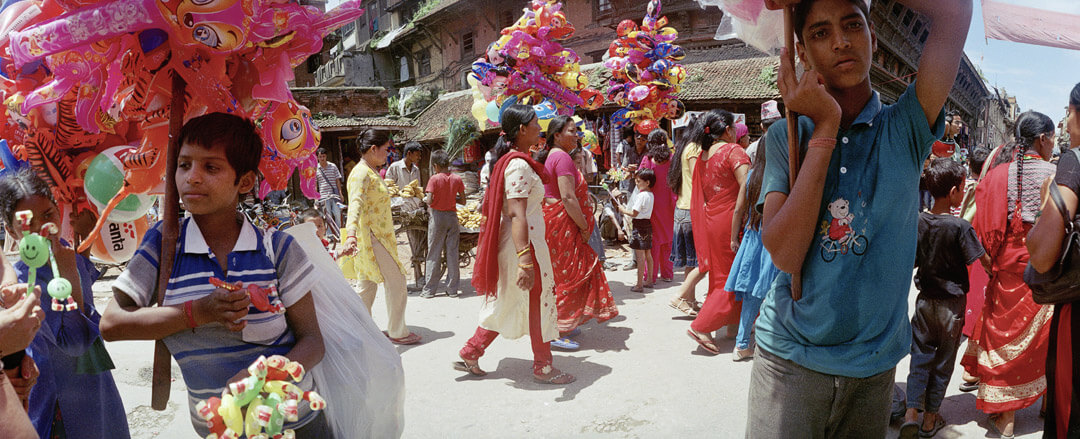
(370, 246)
(513, 267)
(508, 314)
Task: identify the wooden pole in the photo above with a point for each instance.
(792, 133)
(162, 378)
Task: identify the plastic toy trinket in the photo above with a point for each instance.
(263, 299)
(259, 405)
(35, 250)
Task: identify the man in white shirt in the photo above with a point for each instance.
(770, 112)
(329, 180)
(403, 172)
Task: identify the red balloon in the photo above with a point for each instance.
(646, 126)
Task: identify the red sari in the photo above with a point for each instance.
(662, 219)
(581, 288)
(1012, 334)
(713, 203)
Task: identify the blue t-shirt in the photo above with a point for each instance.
(852, 317)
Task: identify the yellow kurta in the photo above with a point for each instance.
(508, 314)
(369, 215)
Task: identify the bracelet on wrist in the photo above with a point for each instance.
(189, 315)
(822, 142)
(524, 251)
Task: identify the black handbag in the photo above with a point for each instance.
(1062, 283)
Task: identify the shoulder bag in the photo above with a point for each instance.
(1062, 283)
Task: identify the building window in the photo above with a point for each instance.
(602, 8)
(467, 46)
(922, 38)
(918, 27)
(908, 17)
(423, 63)
(506, 19)
(403, 69)
(897, 9)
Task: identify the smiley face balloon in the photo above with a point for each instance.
(221, 25)
(288, 127)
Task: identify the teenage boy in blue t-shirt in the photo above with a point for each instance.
(826, 361)
(213, 333)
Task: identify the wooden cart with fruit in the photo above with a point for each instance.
(470, 221)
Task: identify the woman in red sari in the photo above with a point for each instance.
(1012, 335)
(719, 184)
(581, 288)
(658, 158)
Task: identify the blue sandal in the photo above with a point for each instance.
(565, 344)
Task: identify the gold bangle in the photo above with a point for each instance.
(524, 251)
(526, 266)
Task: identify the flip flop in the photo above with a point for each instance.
(705, 343)
(473, 370)
(684, 306)
(910, 430)
(994, 428)
(938, 425)
(565, 344)
(969, 387)
(412, 338)
(558, 379)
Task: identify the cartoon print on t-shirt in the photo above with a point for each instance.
(837, 234)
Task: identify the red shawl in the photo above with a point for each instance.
(991, 221)
(486, 271)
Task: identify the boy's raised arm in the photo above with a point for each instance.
(940, 60)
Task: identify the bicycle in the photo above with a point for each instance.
(856, 244)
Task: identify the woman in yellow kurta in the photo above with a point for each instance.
(370, 245)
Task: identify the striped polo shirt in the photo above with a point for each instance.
(211, 354)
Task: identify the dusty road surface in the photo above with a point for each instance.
(639, 376)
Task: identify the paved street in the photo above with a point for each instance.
(639, 376)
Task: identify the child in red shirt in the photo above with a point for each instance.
(444, 192)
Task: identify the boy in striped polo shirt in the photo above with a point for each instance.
(213, 333)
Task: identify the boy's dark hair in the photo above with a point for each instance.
(802, 9)
(320, 151)
(412, 147)
(942, 176)
(441, 159)
(648, 175)
(309, 214)
(1074, 95)
(243, 146)
(977, 159)
(17, 186)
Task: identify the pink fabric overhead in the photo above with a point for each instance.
(1022, 24)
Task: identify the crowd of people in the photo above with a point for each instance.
(809, 273)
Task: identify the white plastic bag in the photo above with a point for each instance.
(749, 21)
(360, 376)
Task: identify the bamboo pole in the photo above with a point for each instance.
(792, 134)
(162, 378)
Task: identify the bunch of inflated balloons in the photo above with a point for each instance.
(645, 75)
(260, 404)
(527, 65)
(87, 88)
